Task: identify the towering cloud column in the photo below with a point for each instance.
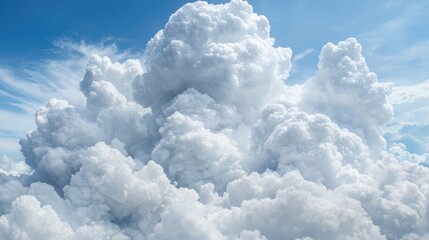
(224, 51)
(345, 90)
(211, 69)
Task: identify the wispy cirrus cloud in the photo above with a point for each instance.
(398, 51)
(302, 55)
(411, 122)
(300, 71)
(398, 48)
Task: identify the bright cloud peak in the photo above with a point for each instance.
(203, 140)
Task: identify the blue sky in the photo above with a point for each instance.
(44, 45)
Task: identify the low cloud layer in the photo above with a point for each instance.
(204, 141)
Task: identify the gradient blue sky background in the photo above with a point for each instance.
(44, 45)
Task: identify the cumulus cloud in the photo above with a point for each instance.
(224, 51)
(290, 207)
(26, 87)
(12, 167)
(345, 90)
(120, 75)
(192, 154)
(288, 139)
(204, 141)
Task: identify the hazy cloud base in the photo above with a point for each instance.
(204, 141)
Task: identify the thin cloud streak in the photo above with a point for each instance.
(302, 55)
(395, 48)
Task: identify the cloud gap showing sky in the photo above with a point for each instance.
(199, 137)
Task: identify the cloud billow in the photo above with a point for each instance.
(204, 141)
(224, 51)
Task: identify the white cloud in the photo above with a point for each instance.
(217, 147)
(288, 139)
(405, 94)
(180, 149)
(344, 89)
(13, 167)
(27, 87)
(229, 57)
(302, 55)
(290, 207)
(411, 120)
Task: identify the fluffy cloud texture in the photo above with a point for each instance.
(204, 141)
(224, 51)
(345, 90)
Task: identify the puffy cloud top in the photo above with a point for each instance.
(224, 51)
(288, 139)
(120, 75)
(346, 91)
